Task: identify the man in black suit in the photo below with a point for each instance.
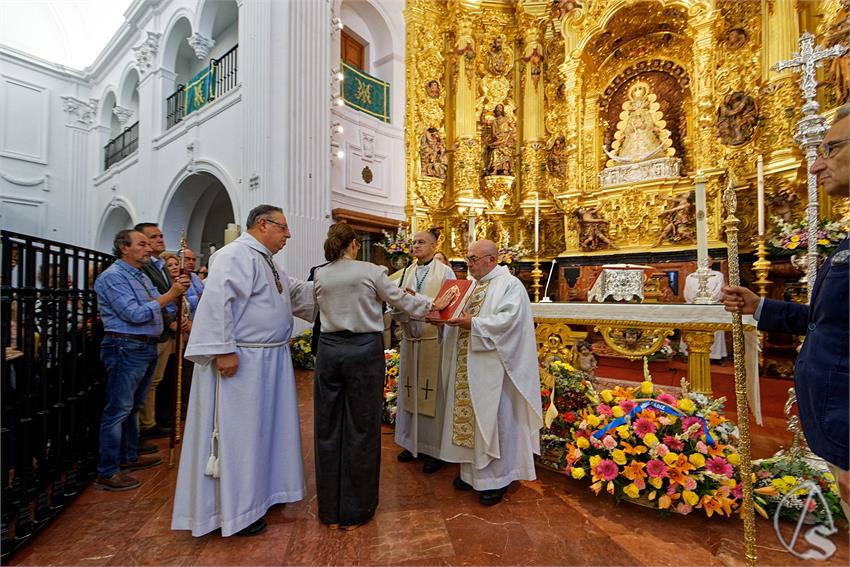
(821, 378)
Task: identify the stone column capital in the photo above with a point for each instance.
(123, 114)
(201, 45)
(80, 113)
(146, 52)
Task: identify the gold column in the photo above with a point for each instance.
(781, 30)
(533, 133)
(467, 154)
(780, 95)
(699, 370)
(704, 113)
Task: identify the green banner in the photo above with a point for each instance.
(199, 90)
(365, 93)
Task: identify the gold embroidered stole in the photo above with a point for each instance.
(463, 424)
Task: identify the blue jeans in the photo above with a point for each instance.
(129, 367)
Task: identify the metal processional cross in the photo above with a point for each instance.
(810, 131)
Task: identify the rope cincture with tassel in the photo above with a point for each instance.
(177, 388)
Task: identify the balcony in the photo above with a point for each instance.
(121, 146)
(215, 80)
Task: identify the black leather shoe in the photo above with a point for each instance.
(256, 528)
(460, 485)
(405, 456)
(491, 497)
(146, 449)
(432, 465)
(155, 431)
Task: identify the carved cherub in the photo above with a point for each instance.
(679, 219)
(587, 362)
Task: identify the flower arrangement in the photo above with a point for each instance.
(775, 477)
(792, 238)
(390, 386)
(664, 352)
(642, 444)
(302, 351)
(565, 392)
(509, 254)
(397, 245)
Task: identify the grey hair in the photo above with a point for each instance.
(261, 212)
(842, 112)
(122, 239)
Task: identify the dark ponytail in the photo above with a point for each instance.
(340, 236)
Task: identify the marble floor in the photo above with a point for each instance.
(422, 520)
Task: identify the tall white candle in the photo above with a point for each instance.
(702, 229)
(536, 223)
(471, 225)
(761, 194)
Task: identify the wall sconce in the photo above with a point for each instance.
(338, 101)
(337, 128)
(337, 23)
(336, 150)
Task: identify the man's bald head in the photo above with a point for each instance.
(483, 248)
(482, 258)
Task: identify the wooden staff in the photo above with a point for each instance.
(730, 200)
(177, 384)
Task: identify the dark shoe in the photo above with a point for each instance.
(117, 482)
(155, 431)
(432, 465)
(491, 497)
(256, 528)
(142, 463)
(405, 456)
(460, 485)
(146, 449)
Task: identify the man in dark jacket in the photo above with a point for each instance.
(821, 378)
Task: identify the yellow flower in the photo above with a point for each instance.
(593, 420)
(697, 460)
(670, 458)
(631, 491)
(656, 482)
(582, 443)
(734, 459)
(690, 497)
(823, 242)
(686, 405)
(594, 461)
(792, 245)
(650, 440)
(617, 411)
(607, 396)
(619, 456)
(623, 432)
(664, 502)
(646, 387)
(577, 473)
(795, 238)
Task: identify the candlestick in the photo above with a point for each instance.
(536, 223)
(536, 274)
(703, 296)
(760, 166)
(761, 268)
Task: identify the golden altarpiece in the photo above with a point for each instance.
(599, 114)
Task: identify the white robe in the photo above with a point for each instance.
(504, 386)
(259, 430)
(715, 288)
(420, 433)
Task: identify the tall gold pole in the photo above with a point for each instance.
(747, 510)
(178, 348)
(536, 274)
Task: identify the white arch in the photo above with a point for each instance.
(386, 38)
(202, 165)
(107, 100)
(171, 45)
(106, 227)
(206, 12)
(126, 86)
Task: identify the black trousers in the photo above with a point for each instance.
(348, 398)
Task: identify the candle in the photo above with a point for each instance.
(471, 225)
(702, 229)
(761, 194)
(536, 223)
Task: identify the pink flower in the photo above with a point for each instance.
(672, 489)
(673, 443)
(656, 468)
(664, 420)
(627, 405)
(812, 505)
(661, 449)
(640, 483)
(719, 465)
(607, 469)
(701, 447)
(687, 422)
(683, 508)
(764, 473)
(604, 410)
(667, 398)
(609, 442)
(738, 492)
(644, 426)
(690, 483)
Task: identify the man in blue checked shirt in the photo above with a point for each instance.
(131, 310)
(196, 285)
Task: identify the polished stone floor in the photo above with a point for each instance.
(422, 520)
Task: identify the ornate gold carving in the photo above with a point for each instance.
(497, 189)
(431, 191)
(634, 342)
(467, 165)
(556, 340)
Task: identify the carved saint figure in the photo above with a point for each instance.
(641, 133)
(679, 219)
(556, 158)
(587, 362)
(535, 60)
(737, 118)
(838, 75)
(501, 139)
(497, 59)
(432, 154)
(782, 204)
(593, 229)
(735, 39)
(433, 89)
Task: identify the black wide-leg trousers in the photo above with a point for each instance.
(348, 400)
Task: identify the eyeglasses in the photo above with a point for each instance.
(827, 149)
(473, 259)
(281, 225)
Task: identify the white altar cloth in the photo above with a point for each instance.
(676, 315)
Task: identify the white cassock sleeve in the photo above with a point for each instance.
(302, 299)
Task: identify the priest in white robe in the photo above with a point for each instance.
(490, 366)
(715, 289)
(421, 399)
(242, 444)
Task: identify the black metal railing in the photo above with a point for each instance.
(175, 107)
(223, 76)
(52, 393)
(121, 146)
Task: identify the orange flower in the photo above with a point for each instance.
(715, 419)
(717, 502)
(634, 470)
(650, 415)
(624, 393)
(636, 450)
(679, 470)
